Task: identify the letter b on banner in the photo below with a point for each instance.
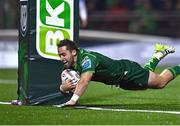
(55, 21)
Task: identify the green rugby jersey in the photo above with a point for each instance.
(105, 69)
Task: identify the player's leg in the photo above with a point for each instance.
(160, 51)
(160, 81)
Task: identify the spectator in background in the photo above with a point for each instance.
(146, 22)
(176, 22)
(177, 7)
(91, 6)
(157, 4)
(83, 14)
(168, 5)
(116, 15)
(118, 6)
(1, 15)
(11, 17)
(8, 14)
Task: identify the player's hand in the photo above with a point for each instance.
(67, 85)
(70, 103)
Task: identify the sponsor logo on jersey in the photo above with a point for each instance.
(86, 64)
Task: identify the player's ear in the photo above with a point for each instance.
(74, 52)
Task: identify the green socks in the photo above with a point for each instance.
(151, 65)
(175, 70)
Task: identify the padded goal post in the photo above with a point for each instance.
(42, 24)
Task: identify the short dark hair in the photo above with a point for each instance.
(68, 43)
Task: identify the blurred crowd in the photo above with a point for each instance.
(160, 17)
(129, 5)
(9, 14)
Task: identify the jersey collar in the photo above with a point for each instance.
(79, 52)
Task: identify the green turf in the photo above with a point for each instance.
(12, 74)
(97, 95)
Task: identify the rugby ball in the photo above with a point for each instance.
(71, 75)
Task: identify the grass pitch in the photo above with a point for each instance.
(97, 95)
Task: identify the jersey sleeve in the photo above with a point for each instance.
(88, 63)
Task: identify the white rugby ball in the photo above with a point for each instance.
(71, 75)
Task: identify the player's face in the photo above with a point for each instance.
(67, 56)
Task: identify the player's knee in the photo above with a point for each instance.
(161, 84)
(158, 84)
(156, 81)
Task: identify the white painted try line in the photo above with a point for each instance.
(128, 110)
(23, 0)
(5, 103)
(8, 81)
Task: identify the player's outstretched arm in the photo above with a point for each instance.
(80, 88)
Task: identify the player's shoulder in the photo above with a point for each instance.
(84, 54)
(82, 51)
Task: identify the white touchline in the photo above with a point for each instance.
(8, 81)
(128, 110)
(5, 103)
